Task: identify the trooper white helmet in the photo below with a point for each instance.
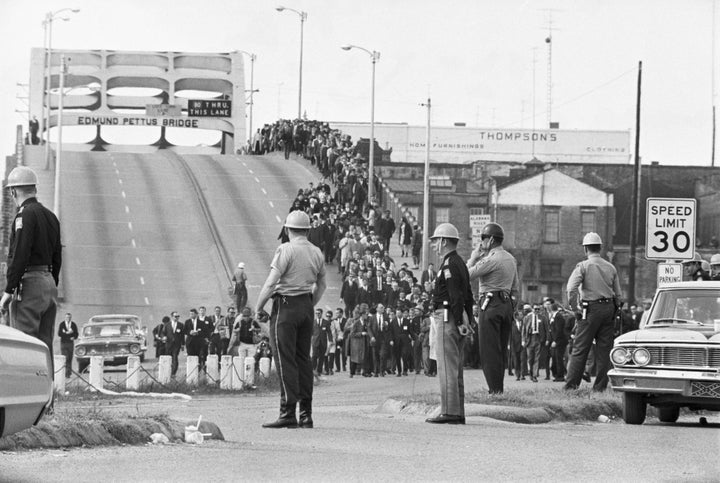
(21, 176)
(715, 259)
(298, 220)
(445, 230)
(592, 238)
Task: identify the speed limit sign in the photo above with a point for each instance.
(670, 224)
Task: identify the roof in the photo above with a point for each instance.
(418, 186)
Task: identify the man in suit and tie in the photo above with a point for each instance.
(428, 275)
(534, 338)
(197, 336)
(319, 340)
(175, 333)
(558, 339)
(382, 340)
(403, 342)
(518, 355)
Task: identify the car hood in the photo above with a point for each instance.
(665, 335)
(8, 333)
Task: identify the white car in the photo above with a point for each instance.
(674, 360)
(26, 380)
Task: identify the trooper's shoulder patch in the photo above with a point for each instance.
(18, 223)
(447, 273)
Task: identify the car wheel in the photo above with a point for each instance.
(634, 408)
(668, 414)
(82, 365)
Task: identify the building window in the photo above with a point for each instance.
(550, 269)
(552, 226)
(477, 211)
(442, 215)
(587, 221)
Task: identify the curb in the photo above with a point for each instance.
(503, 413)
(111, 432)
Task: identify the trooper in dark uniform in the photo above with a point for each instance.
(594, 291)
(453, 301)
(34, 260)
(496, 270)
(296, 283)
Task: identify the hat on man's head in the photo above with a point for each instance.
(246, 312)
(241, 265)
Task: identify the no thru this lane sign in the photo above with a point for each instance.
(670, 229)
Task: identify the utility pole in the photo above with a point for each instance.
(426, 191)
(635, 207)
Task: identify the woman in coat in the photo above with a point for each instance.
(359, 340)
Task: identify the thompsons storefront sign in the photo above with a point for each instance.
(463, 144)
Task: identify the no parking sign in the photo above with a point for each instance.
(670, 225)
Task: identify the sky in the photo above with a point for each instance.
(481, 62)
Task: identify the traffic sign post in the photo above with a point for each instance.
(669, 273)
(670, 229)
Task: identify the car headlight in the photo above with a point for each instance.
(619, 356)
(80, 351)
(641, 357)
(135, 349)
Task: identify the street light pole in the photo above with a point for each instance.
(56, 200)
(47, 31)
(303, 17)
(252, 89)
(374, 56)
(426, 191)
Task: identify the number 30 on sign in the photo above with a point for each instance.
(670, 229)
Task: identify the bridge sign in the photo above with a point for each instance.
(670, 229)
(209, 108)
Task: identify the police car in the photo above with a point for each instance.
(674, 360)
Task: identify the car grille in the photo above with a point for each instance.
(695, 357)
(103, 350)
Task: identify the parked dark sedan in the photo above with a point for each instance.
(114, 339)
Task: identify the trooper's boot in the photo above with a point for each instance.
(286, 419)
(305, 413)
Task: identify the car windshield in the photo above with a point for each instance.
(108, 330)
(689, 308)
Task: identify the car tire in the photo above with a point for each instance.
(82, 365)
(634, 408)
(668, 414)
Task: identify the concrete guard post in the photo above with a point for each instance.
(211, 368)
(226, 372)
(59, 377)
(265, 366)
(132, 382)
(191, 369)
(249, 370)
(237, 373)
(96, 372)
(164, 369)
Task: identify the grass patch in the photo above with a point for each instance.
(580, 405)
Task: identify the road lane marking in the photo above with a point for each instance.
(278, 219)
(130, 225)
(147, 302)
(123, 194)
(250, 171)
(271, 204)
(120, 181)
(127, 209)
(137, 260)
(142, 281)
(256, 179)
(133, 243)
(263, 190)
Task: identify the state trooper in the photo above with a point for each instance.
(34, 260)
(715, 267)
(296, 283)
(453, 301)
(696, 268)
(496, 270)
(594, 290)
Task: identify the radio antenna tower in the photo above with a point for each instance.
(549, 42)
